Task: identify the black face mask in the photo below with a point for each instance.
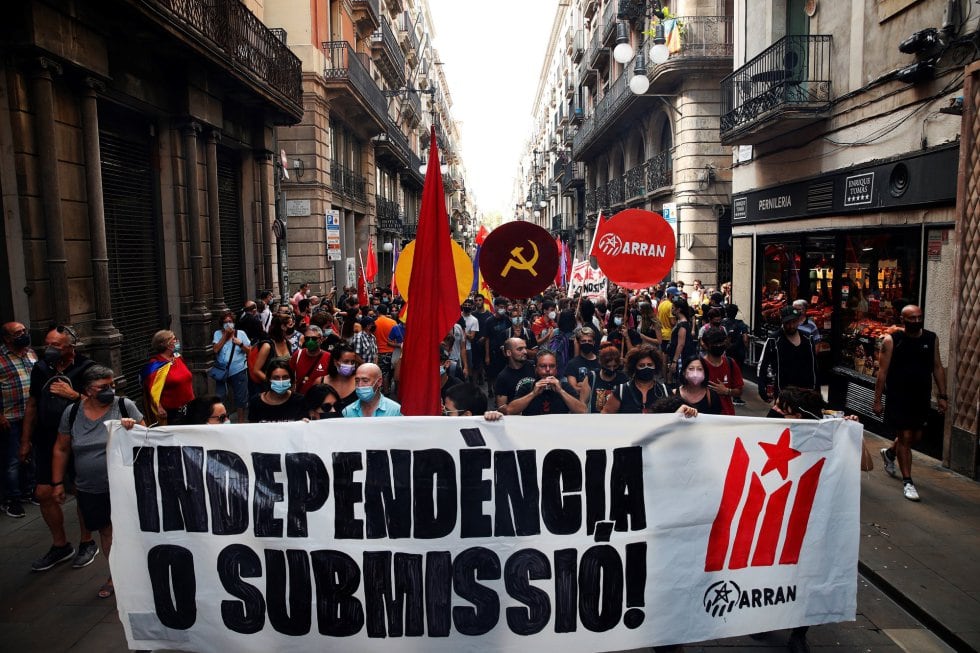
(586, 348)
(646, 374)
(22, 341)
(913, 327)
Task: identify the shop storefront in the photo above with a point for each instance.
(855, 279)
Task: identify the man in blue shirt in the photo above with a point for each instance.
(370, 402)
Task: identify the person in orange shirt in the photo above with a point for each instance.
(383, 325)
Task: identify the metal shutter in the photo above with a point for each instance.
(230, 219)
(135, 268)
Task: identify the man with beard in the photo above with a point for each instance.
(517, 377)
(788, 359)
(908, 363)
(548, 395)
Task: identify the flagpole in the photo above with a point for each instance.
(363, 271)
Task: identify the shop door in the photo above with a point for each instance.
(230, 220)
(129, 193)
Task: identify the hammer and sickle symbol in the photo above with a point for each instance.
(518, 261)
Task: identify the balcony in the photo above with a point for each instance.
(608, 22)
(229, 36)
(598, 52)
(367, 14)
(354, 90)
(347, 183)
(391, 147)
(574, 176)
(388, 54)
(408, 38)
(704, 43)
(412, 175)
(577, 51)
(784, 88)
(659, 172)
(617, 192)
(389, 215)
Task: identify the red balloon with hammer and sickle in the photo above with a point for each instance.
(519, 260)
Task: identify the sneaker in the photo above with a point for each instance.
(14, 509)
(910, 492)
(889, 462)
(86, 554)
(738, 402)
(34, 500)
(54, 555)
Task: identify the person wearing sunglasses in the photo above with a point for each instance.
(206, 410)
(322, 402)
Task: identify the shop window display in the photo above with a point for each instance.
(800, 269)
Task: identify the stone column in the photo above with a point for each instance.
(264, 159)
(106, 341)
(192, 191)
(217, 282)
(56, 262)
(196, 322)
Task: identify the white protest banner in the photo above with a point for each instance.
(574, 533)
(591, 282)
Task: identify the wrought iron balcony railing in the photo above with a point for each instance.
(393, 57)
(389, 214)
(578, 45)
(616, 191)
(343, 63)
(636, 182)
(239, 41)
(790, 77)
(345, 181)
(659, 171)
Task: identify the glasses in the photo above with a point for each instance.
(221, 419)
(61, 328)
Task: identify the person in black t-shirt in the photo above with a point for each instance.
(599, 384)
(578, 367)
(279, 403)
(515, 379)
(548, 395)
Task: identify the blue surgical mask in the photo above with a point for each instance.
(280, 386)
(618, 321)
(517, 320)
(442, 370)
(365, 392)
(177, 348)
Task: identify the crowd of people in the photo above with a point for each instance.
(668, 349)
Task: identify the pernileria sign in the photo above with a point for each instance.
(575, 533)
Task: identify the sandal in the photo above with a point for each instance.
(106, 590)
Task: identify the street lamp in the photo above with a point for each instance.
(623, 51)
(639, 83)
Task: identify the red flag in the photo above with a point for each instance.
(559, 272)
(362, 297)
(481, 235)
(434, 296)
(599, 230)
(371, 270)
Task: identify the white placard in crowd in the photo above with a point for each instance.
(591, 282)
(574, 533)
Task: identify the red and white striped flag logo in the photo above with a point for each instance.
(784, 512)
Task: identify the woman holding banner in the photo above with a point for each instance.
(644, 367)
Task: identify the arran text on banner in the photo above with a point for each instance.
(578, 533)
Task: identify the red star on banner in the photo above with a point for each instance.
(779, 455)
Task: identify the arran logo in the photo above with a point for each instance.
(737, 540)
(610, 244)
(724, 596)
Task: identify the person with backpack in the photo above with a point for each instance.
(55, 385)
(724, 375)
(82, 432)
(738, 335)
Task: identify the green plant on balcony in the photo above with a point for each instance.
(666, 31)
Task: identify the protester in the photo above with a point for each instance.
(56, 383)
(788, 359)
(545, 325)
(344, 361)
(498, 328)
(167, 381)
(693, 388)
(279, 403)
(446, 380)
(230, 368)
(649, 326)
(579, 367)
(738, 335)
(644, 369)
(547, 395)
(370, 401)
(466, 399)
(724, 375)
(517, 377)
(277, 346)
(83, 433)
(618, 332)
(595, 388)
(322, 402)
(17, 359)
(683, 344)
(310, 362)
(208, 409)
(908, 364)
(364, 342)
(250, 322)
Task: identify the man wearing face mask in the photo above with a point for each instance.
(17, 359)
(309, 363)
(908, 364)
(546, 324)
(724, 376)
(446, 380)
(53, 383)
(788, 359)
(579, 367)
(498, 330)
(370, 402)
